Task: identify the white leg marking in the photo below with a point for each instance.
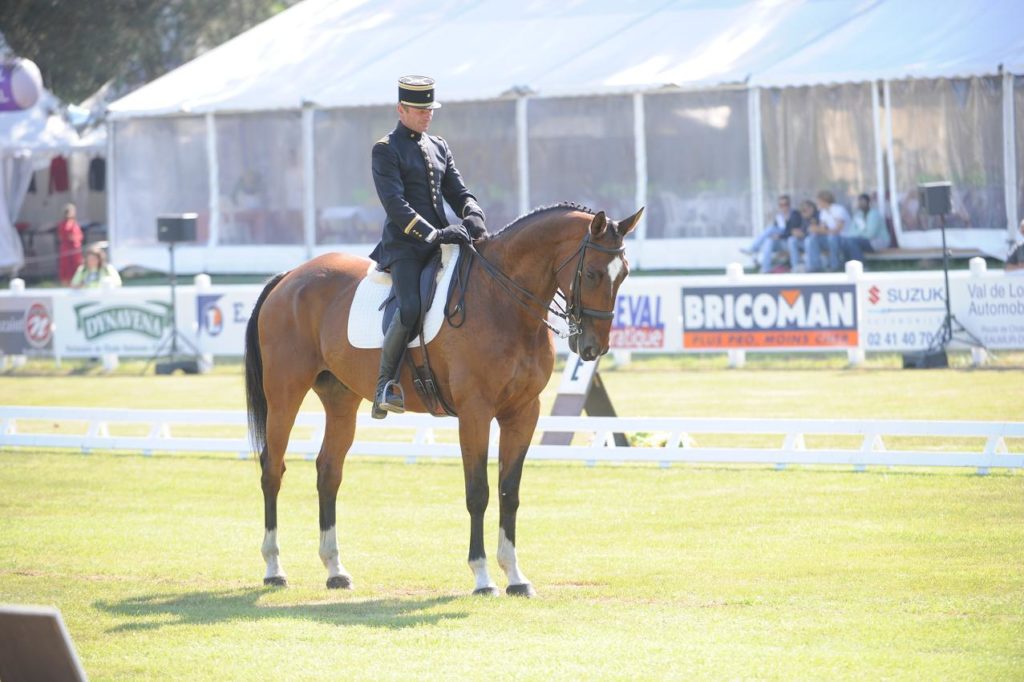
(271, 553)
(329, 552)
(614, 268)
(507, 560)
(483, 578)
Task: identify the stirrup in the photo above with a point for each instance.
(391, 398)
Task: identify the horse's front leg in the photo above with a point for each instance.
(516, 433)
(474, 432)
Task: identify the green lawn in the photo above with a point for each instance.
(693, 571)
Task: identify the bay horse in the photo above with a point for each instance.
(493, 366)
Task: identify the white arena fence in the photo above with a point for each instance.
(673, 440)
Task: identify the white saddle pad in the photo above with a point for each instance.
(366, 317)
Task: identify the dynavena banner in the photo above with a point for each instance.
(765, 317)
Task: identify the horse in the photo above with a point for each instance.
(492, 366)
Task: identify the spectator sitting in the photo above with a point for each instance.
(1015, 261)
(69, 238)
(773, 238)
(798, 238)
(94, 271)
(866, 232)
(833, 220)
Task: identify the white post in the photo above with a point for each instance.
(523, 154)
(756, 160)
(979, 356)
(640, 159)
(111, 192)
(308, 175)
(17, 289)
(213, 181)
(1009, 158)
(876, 128)
(854, 272)
(110, 360)
(737, 357)
(894, 196)
(203, 284)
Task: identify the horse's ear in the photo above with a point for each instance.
(598, 224)
(626, 226)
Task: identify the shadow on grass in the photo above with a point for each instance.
(155, 611)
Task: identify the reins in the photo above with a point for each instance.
(572, 310)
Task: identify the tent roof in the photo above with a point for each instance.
(336, 53)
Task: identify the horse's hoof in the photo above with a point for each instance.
(524, 590)
(489, 591)
(276, 581)
(339, 582)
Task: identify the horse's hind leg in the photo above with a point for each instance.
(340, 405)
(283, 403)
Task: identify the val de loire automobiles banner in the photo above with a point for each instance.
(903, 313)
(746, 317)
(26, 326)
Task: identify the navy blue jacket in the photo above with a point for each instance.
(414, 173)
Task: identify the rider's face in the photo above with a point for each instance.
(414, 118)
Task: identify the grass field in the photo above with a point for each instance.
(642, 573)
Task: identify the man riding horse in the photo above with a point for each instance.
(414, 173)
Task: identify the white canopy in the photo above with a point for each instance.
(336, 53)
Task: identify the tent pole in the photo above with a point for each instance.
(523, 154)
(308, 175)
(756, 162)
(111, 194)
(894, 199)
(876, 127)
(1009, 158)
(213, 169)
(640, 158)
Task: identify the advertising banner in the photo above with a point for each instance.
(26, 326)
(639, 323)
(792, 316)
(220, 317)
(992, 308)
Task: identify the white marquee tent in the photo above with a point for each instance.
(701, 110)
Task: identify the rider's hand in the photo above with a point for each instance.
(454, 234)
(474, 224)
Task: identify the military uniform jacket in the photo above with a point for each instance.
(413, 174)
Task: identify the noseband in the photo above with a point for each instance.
(572, 311)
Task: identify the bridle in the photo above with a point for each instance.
(571, 309)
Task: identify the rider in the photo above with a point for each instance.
(413, 172)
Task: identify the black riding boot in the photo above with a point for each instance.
(389, 397)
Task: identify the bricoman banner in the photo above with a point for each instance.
(770, 317)
(26, 326)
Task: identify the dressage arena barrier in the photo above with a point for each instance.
(671, 440)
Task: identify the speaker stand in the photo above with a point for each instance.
(167, 352)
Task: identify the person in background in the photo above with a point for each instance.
(833, 219)
(1015, 261)
(866, 231)
(798, 235)
(95, 270)
(69, 239)
(774, 237)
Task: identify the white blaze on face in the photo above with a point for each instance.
(507, 560)
(271, 554)
(329, 552)
(615, 268)
(483, 578)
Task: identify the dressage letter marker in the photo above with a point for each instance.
(581, 389)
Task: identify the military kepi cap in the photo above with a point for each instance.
(417, 91)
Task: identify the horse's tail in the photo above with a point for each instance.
(255, 397)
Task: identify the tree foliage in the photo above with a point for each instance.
(81, 44)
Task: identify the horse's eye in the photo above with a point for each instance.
(592, 276)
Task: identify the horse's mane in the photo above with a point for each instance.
(527, 217)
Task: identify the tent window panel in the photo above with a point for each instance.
(698, 164)
(817, 138)
(1018, 123)
(259, 159)
(347, 208)
(161, 168)
(950, 129)
(582, 150)
(482, 137)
